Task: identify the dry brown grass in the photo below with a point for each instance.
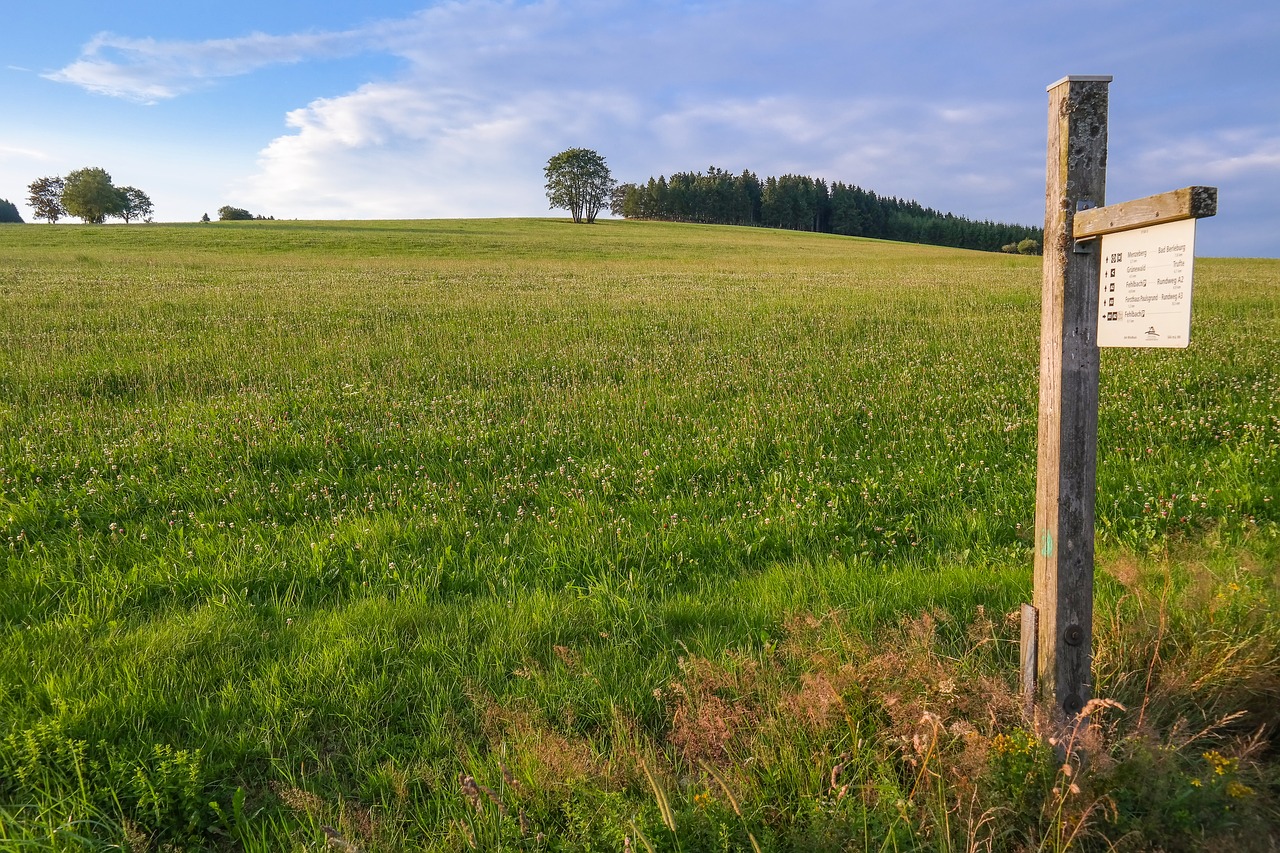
(921, 726)
(537, 749)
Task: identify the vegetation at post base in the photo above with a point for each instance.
(9, 212)
(578, 180)
(506, 535)
(802, 203)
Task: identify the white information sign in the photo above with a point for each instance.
(1146, 286)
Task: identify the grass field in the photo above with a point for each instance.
(519, 535)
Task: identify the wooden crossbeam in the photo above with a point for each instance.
(1186, 203)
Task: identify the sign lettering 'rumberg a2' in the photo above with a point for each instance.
(1077, 293)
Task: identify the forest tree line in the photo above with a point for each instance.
(802, 203)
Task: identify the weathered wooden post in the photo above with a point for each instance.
(1068, 427)
(1145, 301)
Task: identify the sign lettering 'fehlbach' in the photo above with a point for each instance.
(1146, 286)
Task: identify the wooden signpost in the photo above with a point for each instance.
(1077, 303)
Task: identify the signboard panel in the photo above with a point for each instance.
(1146, 286)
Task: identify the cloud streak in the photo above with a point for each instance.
(8, 152)
(440, 38)
(147, 71)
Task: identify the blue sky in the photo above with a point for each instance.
(412, 109)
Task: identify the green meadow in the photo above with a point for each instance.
(520, 535)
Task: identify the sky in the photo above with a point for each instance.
(408, 109)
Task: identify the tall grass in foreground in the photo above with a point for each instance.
(518, 535)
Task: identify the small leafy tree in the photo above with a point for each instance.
(89, 194)
(9, 211)
(1028, 247)
(227, 213)
(578, 180)
(45, 198)
(137, 205)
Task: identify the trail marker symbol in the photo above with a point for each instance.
(1046, 544)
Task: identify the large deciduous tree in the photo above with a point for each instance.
(137, 205)
(89, 194)
(45, 198)
(578, 180)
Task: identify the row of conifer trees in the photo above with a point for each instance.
(802, 203)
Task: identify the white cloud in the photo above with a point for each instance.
(400, 150)
(1223, 156)
(790, 120)
(1242, 162)
(147, 70)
